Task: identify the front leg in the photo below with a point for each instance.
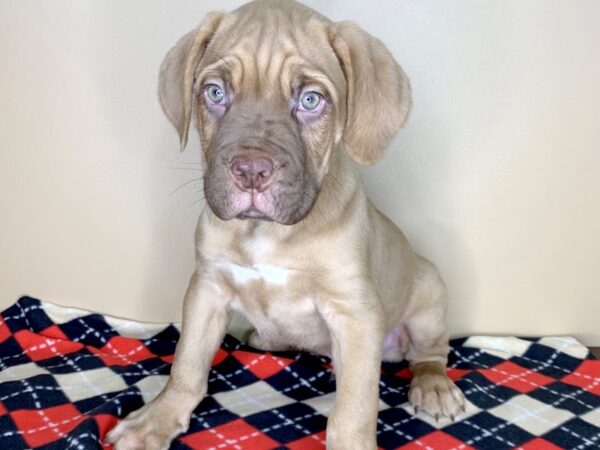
(356, 328)
(205, 319)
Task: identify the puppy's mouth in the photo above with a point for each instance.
(274, 204)
(252, 205)
(253, 213)
(259, 206)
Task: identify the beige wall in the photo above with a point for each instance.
(495, 177)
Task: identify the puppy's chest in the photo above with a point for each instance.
(240, 276)
(276, 299)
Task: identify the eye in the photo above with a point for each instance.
(214, 93)
(310, 100)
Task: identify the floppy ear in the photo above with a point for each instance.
(378, 92)
(176, 79)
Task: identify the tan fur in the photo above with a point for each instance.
(343, 281)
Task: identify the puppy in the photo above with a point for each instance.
(286, 103)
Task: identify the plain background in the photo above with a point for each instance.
(495, 176)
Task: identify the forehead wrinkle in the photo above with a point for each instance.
(265, 41)
(269, 54)
(262, 72)
(247, 81)
(271, 59)
(281, 74)
(229, 68)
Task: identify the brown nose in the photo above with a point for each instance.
(252, 172)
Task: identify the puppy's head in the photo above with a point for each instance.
(273, 88)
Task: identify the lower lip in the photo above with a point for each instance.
(252, 213)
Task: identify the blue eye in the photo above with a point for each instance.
(215, 93)
(310, 100)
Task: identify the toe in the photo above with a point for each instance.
(415, 397)
(431, 404)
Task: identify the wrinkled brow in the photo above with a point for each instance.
(225, 68)
(298, 74)
(308, 77)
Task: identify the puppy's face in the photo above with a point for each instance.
(268, 114)
(275, 87)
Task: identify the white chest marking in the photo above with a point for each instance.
(270, 274)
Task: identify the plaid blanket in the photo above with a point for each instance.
(67, 375)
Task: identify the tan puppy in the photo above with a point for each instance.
(285, 102)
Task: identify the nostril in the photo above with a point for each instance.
(240, 166)
(263, 166)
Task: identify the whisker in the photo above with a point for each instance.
(197, 169)
(201, 199)
(185, 184)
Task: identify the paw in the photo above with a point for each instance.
(437, 395)
(151, 427)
